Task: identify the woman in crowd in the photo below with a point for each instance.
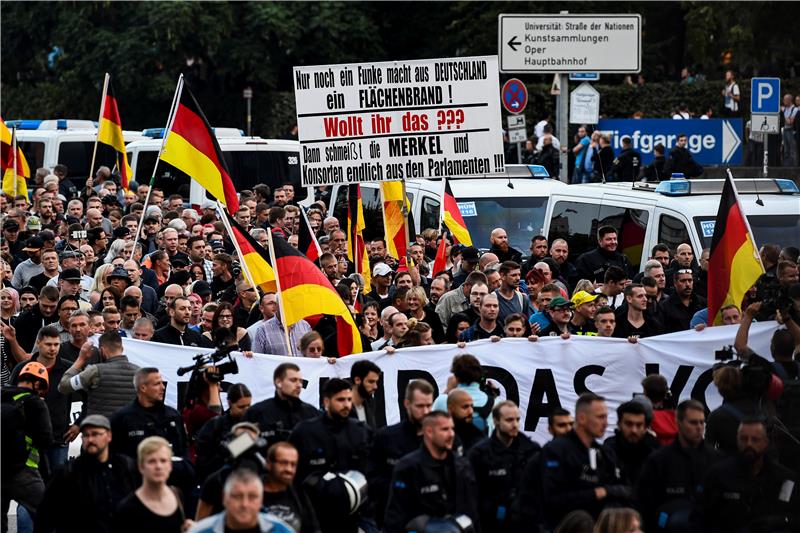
(457, 324)
(618, 520)
(210, 438)
(418, 308)
(109, 297)
(154, 507)
(100, 282)
(198, 272)
(371, 325)
(202, 403)
(419, 334)
(534, 281)
(312, 345)
(223, 318)
(9, 305)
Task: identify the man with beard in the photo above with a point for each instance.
(677, 310)
(32, 266)
(500, 247)
(439, 286)
(90, 486)
(631, 442)
(593, 264)
(281, 497)
(509, 298)
(748, 492)
(279, 415)
(364, 375)
(177, 331)
(393, 442)
(432, 480)
(499, 463)
(460, 407)
(331, 443)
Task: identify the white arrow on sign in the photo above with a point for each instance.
(730, 141)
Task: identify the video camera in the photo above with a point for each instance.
(246, 447)
(203, 360)
(756, 371)
(774, 297)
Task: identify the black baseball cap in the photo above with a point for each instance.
(470, 254)
(34, 244)
(10, 224)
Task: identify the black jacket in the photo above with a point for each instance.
(421, 485)
(603, 160)
(676, 316)
(189, 337)
(654, 172)
(669, 479)
(498, 472)
(468, 435)
(626, 165)
(33, 423)
(723, 423)
(510, 255)
(631, 457)
(277, 417)
(132, 424)
(568, 479)
(592, 265)
(58, 405)
(391, 443)
(681, 161)
(88, 489)
(28, 325)
(209, 445)
(733, 500)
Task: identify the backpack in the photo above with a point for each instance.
(14, 447)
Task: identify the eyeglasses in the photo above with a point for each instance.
(226, 317)
(685, 271)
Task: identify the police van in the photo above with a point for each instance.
(672, 212)
(47, 143)
(250, 160)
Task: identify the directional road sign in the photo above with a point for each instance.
(570, 43)
(711, 142)
(765, 95)
(514, 96)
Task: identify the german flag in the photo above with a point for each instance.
(254, 256)
(7, 160)
(192, 147)
(451, 216)
(734, 265)
(306, 241)
(394, 223)
(110, 132)
(356, 248)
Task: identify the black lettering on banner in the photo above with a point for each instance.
(579, 382)
(701, 386)
(506, 379)
(403, 378)
(543, 385)
(678, 382)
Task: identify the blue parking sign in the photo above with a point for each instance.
(765, 95)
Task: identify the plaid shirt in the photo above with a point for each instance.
(271, 339)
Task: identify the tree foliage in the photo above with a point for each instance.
(54, 54)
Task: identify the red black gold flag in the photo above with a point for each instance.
(306, 241)
(254, 256)
(110, 132)
(734, 264)
(356, 248)
(451, 216)
(192, 147)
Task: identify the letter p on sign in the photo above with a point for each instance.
(765, 95)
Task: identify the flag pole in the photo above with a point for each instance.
(280, 293)
(175, 98)
(311, 232)
(99, 122)
(227, 224)
(404, 211)
(746, 222)
(14, 151)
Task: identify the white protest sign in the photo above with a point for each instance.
(398, 120)
(536, 375)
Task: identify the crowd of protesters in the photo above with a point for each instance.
(78, 275)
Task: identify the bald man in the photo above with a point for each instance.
(500, 247)
(460, 407)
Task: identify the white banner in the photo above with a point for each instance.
(536, 375)
(398, 120)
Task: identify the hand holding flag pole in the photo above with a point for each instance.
(99, 122)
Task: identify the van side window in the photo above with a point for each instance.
(249, 168)
(34, 153)
(77, 155)
(430, 213)
(672, 232)
(577, 223)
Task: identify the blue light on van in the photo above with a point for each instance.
(674, 187)
(154, 133)
(30, 124)
(538, 171)
(787, 186)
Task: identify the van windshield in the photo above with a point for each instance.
(77, 156)
(34, 154)
(522, 218)
(783, 230)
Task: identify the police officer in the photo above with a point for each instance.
(432, 480)
(578, 472)
(748, 492)
(670, 476)
(631, 443)
(499, 463)
(331, 443)
(25, 430)
(627, 163)
(90, 486)
(278, 416)
(393, 442)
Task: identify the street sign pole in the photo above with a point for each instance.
(248, 96)
(765, 101)
(562, 104)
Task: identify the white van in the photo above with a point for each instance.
(250, 160)
(47, 143)
(671, 212)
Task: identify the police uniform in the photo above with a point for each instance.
(422, 485)
(326, 444)
(732, 499)
(630, 457)
(627, 165)
(498, 471)
(571, 472)
(134, 423)
(668, 483)
(277, 417)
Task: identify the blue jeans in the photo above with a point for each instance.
(57, 456)
(581, 175)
